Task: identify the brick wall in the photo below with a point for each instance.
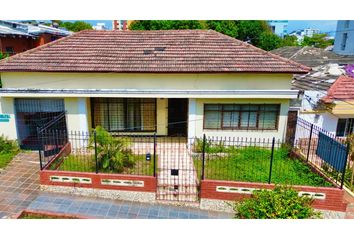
(334, 197)
(149, 181)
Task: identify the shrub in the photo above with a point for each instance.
(113, 152)
(281, 203)
(8, 146)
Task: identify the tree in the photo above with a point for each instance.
(227, 27)
(289, 41)
(317, 40)
(269, 41)
(165, 25)
(75, 26)
(250, 30)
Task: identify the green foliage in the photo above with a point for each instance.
(318, 40)
(289, 41)
(281, 203)
(114, 154)
(269, 41)
(165, 24)
(252, 164)
(76, 26)
(8, 149)
(227, 27)
(250, 30)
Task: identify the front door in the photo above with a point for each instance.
(177, 116)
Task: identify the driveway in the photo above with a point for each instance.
(19, 183)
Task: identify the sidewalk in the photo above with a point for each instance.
(104, 208)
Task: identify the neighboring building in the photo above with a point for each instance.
(121, 24)
(279, 27)
(344, 39)
(172, 83)
(100, 26)
(300, 34)
(309, 32)
(16, 37)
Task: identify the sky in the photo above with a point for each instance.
(323, 25)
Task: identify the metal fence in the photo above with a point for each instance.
(322, 150)
(97, 152)
(255, 160)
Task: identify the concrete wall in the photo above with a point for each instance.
(8, 129)
(196, 111)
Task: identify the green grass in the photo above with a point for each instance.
(5, 158)
(43, 216)
(252, 164)
(86, 163)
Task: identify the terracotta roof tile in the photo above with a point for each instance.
(342, 89)
(171, 51)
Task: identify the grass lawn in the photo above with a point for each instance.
(44, 216)
(86, 163)
(252, 164)
(5, 158)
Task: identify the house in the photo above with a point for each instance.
(100, 26)
(314, 86)
(16, 37)
(339, 101)
(301, 34)
(279, 27)
(121, 24)
(344, 39)
(172, 83)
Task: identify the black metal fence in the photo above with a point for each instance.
(255, 160)
(97, 152)
(322, 150)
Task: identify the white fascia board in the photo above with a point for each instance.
(278, 94)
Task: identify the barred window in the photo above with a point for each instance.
(124, 114)
(241, 116)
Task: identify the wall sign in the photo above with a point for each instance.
(4, 118)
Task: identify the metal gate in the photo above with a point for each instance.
(178, 171)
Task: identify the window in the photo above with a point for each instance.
(241, 116)
(344, 127)
(344, 41)
(124, 114)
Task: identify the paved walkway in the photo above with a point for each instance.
(19, 183)
(105, 208)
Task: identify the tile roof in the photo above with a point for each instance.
(342, 89)
(164, 51)
(311, 56)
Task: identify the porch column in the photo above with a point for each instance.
(192, 117)
(77, 114)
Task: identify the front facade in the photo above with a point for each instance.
(169, 102)
(344, 39)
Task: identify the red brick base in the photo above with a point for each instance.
(333, 201)
(149, 181)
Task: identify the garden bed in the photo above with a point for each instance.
(8, 150)
(252, 164)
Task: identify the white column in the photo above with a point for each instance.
(192, 117)
(82, 114)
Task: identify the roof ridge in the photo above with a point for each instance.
(268, 53)
(39, 47)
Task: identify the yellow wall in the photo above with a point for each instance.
(343, 109)
(147, 81)
(279, 134)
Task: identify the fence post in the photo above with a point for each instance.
(95, 140)
(203, 156)
(308, 149)
(345, 165)
(40, 149)
(154, 154)
(271, 161)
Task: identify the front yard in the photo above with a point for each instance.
(252, 164)
(8, 149)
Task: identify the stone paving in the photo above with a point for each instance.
(19, 183)
(115, 209)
